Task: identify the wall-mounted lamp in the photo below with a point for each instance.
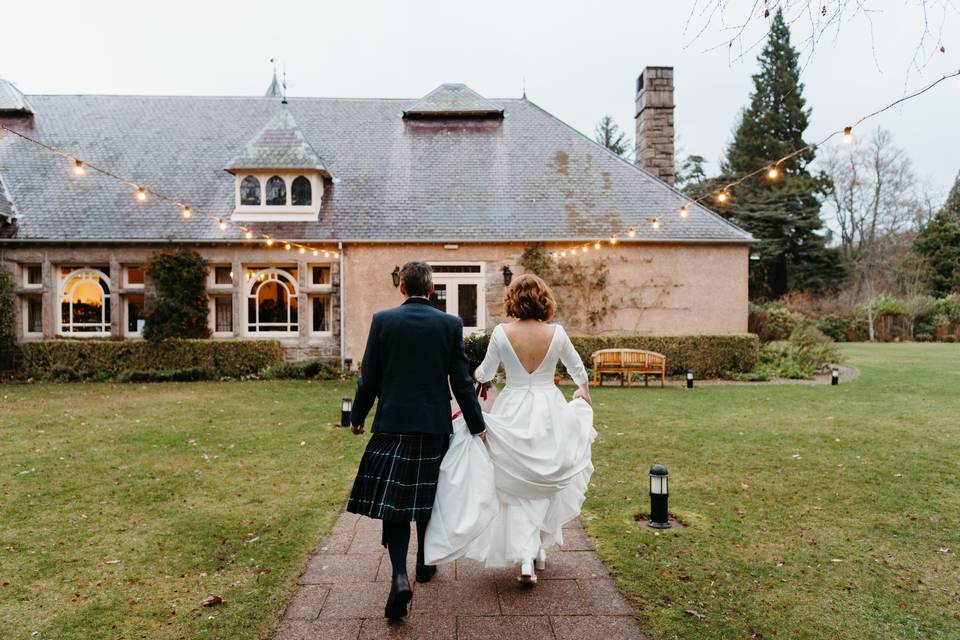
(507, 276)
(395, 276)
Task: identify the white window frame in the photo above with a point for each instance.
(25, 314)
(125, 311)
(270, 274)
(107, 298)
(212, 278)
(451, 280)
(212, 305)
(126, 276)
(318, 288)
(274, 212)
(311, 300)
(26, 276)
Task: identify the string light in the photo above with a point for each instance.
(655, 223)
(302, 251)
(555, 255)
(326, 254)
(631, 232)
(315, 252)
(613, 239)
(722, 196)
(269, 242)
(684, 211)
(336, 254)
(78, 169)
(141, 194)
(573, 252)
(563, 254)
(773, 172)
(222, 223)
(185, 210)
(596, 245)
(286, 246)
(248, 234)
(848, 134)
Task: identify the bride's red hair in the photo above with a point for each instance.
(529, 298)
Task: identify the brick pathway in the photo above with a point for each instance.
(345, 585)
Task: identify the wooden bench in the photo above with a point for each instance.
(626, 362)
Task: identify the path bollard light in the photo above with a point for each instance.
(689, 379)
(659, 519)
(346, 405)
(835, 376)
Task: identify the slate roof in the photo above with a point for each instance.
(526, 176)
(456, 100)
(11, 100)
(7, 212)
(279, 145)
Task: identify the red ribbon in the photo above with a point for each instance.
(481, 391)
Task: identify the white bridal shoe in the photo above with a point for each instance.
(540, 562)
(527, 577)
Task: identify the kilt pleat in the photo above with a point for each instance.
(397, 477)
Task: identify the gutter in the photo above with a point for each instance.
(419, 241)
(341, 291)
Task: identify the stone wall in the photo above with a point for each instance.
(654, 123)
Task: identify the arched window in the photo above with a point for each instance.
(276, 191)
(300, 191)
(272, 302)
(250, 191)
(85, 302)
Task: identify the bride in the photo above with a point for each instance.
(506, 502)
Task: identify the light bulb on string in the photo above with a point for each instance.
(722, 197)
(555, 255)
(315, 252)
(684, 210)
(78, 168)
(848, 134)
(269, 242)
(336, 254)
(613, 240)
(631, 232)
(563, 254)
(141, 194)
(655, 223)
(586, 248)
(596, 245)
(573, 252)
(249, 234)
(326, 254)
(222, 224)
(286, 246)
(185, 211)
(302, 251)
(773, 172)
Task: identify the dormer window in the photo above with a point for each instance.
(279, 176)
(301, 192)
(250, 191)
(276, 192)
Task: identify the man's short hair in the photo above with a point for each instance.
(417, 278)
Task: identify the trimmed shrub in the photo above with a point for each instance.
(179, 375)
(233, 358)
(7, 323)
(708, 356)
(321, 369)
(179, 309)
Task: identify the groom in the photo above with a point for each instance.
(414, 356)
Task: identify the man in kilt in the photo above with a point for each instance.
(413, 358)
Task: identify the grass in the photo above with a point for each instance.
(124, 506)
(814, 511)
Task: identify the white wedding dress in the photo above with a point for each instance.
(501, 503)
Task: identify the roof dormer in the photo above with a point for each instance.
(450, 101)
(12, 101)
(279, 176)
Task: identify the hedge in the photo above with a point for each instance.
(708, 356)
(233, 358)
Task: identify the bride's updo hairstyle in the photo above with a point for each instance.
(529, 298)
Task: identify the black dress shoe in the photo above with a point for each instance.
(400, 596)
(425, 572)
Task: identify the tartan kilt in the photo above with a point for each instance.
(397, 478)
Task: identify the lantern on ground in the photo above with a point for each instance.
(689, 379)
(659, 519)
(507, 276)
(835, 376)
(346, 406)
(395, 276)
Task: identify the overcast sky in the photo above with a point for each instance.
(580, 59)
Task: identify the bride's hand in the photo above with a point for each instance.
(583, 394)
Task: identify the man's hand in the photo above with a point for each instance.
(483, 436)
(356, 429)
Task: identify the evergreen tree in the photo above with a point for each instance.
(939, 244)
(608, 133)
(783, 214)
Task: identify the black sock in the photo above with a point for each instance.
(396, 535)
(421, 537)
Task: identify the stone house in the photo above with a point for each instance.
(304, 208)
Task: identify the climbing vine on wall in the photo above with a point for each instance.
(582, 289)
(179, 307)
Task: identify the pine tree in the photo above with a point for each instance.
(608, 133)
(783, 214)
(938, 243)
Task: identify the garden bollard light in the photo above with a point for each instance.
(835, 376)
(689, 379)
(346, 405)
(659, 518)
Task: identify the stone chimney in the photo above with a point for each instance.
(655, 146)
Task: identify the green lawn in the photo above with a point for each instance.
(814, 512)
(124, 506)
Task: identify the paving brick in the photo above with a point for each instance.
(335, 542)
(573, 564)
(413, 627)
(369, 524)
(473, 570)
(506, 627)
(549, 597)
(579, 627)
(472, 598)
(604, 597)
(317, 629)
(330, 569)
(576, 539)
(366, 541)
(345, 523)
(307, 602)
(364, 600)
(445, 572)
